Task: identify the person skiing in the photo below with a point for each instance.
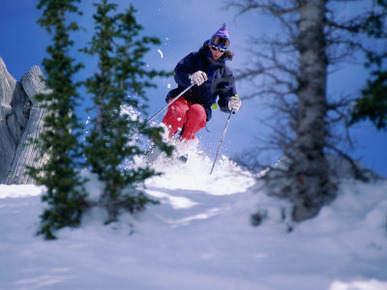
(206, 68)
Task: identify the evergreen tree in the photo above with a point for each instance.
(120, 81)
(58, 143)
(373, 102)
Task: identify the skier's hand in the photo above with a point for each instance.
(198, 77)
(234, 104)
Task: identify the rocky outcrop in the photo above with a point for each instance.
(21, 118)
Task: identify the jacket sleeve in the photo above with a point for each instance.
(227, 90)
(184, 69)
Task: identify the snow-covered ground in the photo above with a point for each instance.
(200, 237)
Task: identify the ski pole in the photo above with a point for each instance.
(171, 102)
(221, 140)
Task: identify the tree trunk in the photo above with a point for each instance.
(309, 167)
(20, 119)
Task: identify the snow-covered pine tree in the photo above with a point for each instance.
(120, 81)
(58, 143)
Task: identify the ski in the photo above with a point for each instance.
(154, 154)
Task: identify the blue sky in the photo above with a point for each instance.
(183, 26)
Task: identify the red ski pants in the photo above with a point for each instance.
(184, 113)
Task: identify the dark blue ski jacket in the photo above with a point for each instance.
(220, 80)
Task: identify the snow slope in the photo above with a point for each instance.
(200, 237)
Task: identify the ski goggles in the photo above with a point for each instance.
(220, 43)
(214, 47)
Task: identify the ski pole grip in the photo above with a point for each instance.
(235, 96)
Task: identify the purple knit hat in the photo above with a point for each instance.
(222, 32)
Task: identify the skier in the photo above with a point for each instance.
(206, 69)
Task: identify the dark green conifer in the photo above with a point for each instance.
(372, 104)
(58, 143)
(120, 82)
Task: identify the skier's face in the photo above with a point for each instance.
(216, 54)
